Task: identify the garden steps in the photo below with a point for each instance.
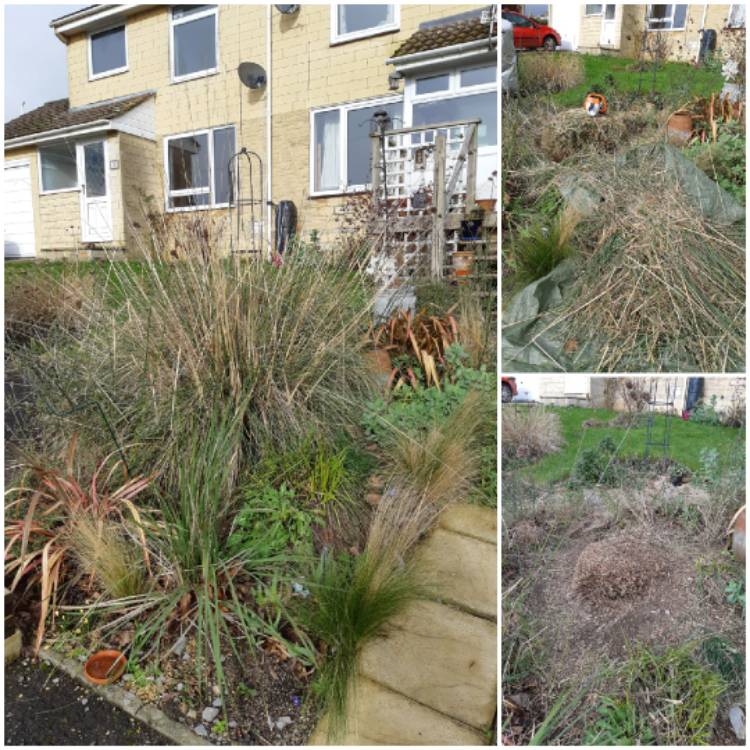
(433, 678)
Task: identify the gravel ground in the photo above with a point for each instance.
(46, 707)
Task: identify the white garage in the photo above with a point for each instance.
(19, 210)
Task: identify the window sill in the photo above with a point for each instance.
(341, 193)
(109, 74)
(358, 35)
(195, 76)
(190, 209)
(61, 190)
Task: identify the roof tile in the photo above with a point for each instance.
(438, 37)
(58, 114)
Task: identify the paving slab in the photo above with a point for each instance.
(440, 657)
(379, 716)
(463, 570)
(471, 520)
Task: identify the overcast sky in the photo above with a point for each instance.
(35, 70)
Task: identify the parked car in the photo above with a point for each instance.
(508, 68)
(529, 34)
(509, 389)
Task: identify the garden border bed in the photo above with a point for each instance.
(153, 717)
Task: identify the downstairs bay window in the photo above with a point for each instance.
(197, 168)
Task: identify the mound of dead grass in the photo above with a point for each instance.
(618, 567)
(569, 131)
(663, 286)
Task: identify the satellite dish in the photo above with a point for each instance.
(252, 75)
(287, 10)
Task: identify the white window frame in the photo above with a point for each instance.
(210, 190)
(593, 15)
(337, 38)
(178, 22)
(671, 18)
(76, 188)
(115, 71)
(454, 91)
(343, 110)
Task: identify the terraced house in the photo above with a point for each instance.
(163, 100)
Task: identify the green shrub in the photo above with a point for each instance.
(726, 659)
(705, 413)
(675, 695)
(414, 411)
(597, 465)
(271, 522)
(618, 724)
(724, 160)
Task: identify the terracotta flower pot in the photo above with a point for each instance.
(379, 361)
(462, 261)
(679, 128)
(105, 667)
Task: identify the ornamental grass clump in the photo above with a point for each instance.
(282, 345)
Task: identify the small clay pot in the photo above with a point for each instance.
(462, 261)
(679, 128)
(379, 361)
(99, 669)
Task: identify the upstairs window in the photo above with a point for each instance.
(358, 21)
(194, 44)
(666, 17)
(107, 52)
(58, 167)
(197, 168)
(593, 10)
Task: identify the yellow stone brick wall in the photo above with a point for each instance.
(307, 71)
(683, 44)
(141, 188)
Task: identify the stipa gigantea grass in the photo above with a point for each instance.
(173, 338)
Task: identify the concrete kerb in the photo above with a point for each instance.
(151, 716)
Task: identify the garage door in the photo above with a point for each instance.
(19, 210)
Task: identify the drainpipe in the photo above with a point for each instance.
(269, 157)
(702, 28)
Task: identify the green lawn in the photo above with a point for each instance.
(687, 440)
(676, 82)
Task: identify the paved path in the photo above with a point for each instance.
(433, 679)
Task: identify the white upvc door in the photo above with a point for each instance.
(96, 205)
(609, 26)
(19, 209)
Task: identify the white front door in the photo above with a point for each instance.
(609, 26)
(19, 210)
(96, 210)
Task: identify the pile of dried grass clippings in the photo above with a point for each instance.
(569, 131)
(661, 287)
(619, 567)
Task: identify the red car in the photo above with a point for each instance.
(509, 389)
(528, 34)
